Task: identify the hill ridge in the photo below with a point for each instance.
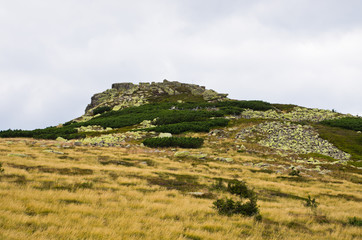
(128, 94)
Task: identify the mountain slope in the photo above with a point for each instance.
(95, 177)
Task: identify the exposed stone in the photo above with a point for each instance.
(298, 114)
(164, 135)
(52, 151)
(18, 155)
(198, 194)
(199, 156)
(60, 139)
(93, 128)
(223, 159)
(287, 136)
(181, 154)
(123, 95)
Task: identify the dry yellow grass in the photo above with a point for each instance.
(118, 193)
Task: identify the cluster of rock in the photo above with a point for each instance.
(301, 139)
(111, 140)
(93, 128)
(123, 95)
(201, 156)
(298, 114)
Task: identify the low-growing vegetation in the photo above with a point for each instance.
(144, 193)
(100, 110)
(182, 142)
(352, 123)
(201, 126)
(162, 113)
(346, 140)
(229, 206)
(355, 221)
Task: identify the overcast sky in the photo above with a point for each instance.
(54, 55)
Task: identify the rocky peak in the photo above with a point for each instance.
(127, 94)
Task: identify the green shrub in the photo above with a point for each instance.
(68, 123)
(355, 221)
(294, 172)
(167, 113)
(183, 142)
(352, 123)
(203, 126)
(239, 188)
(100, 110)
(228, 206)
(311, 203)
(218, 185)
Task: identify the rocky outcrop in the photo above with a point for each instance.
(301, 139)
(296, 115)
(123, 95)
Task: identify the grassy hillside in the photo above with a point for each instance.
(52, 191)
(171, 169)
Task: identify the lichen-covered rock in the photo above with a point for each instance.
(146, 124)
(224, 159)
(93, 128)
(199, 155)
(53, 151)
(123, 95)
(165, 135)
(181, 154)
(287, 136)
(60, 139)
(111, 140)
(18, 155)
(298, 114)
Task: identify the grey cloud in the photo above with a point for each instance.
(54, 55)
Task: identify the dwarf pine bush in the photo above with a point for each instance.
(183, 142)
(311, 203)
(228, 206)
(100, 110)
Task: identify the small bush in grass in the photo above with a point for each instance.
(218, 185)
(311, 203)
(355, 221)
(1, 168)
(183, 142)
(239, 188)
(228, 206)
(295, 172)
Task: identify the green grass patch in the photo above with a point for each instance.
(317, 156)
(346, 140)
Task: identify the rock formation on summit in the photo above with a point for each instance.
(123, 95)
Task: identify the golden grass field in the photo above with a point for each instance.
(143, 193)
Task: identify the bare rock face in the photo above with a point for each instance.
(123, 95)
